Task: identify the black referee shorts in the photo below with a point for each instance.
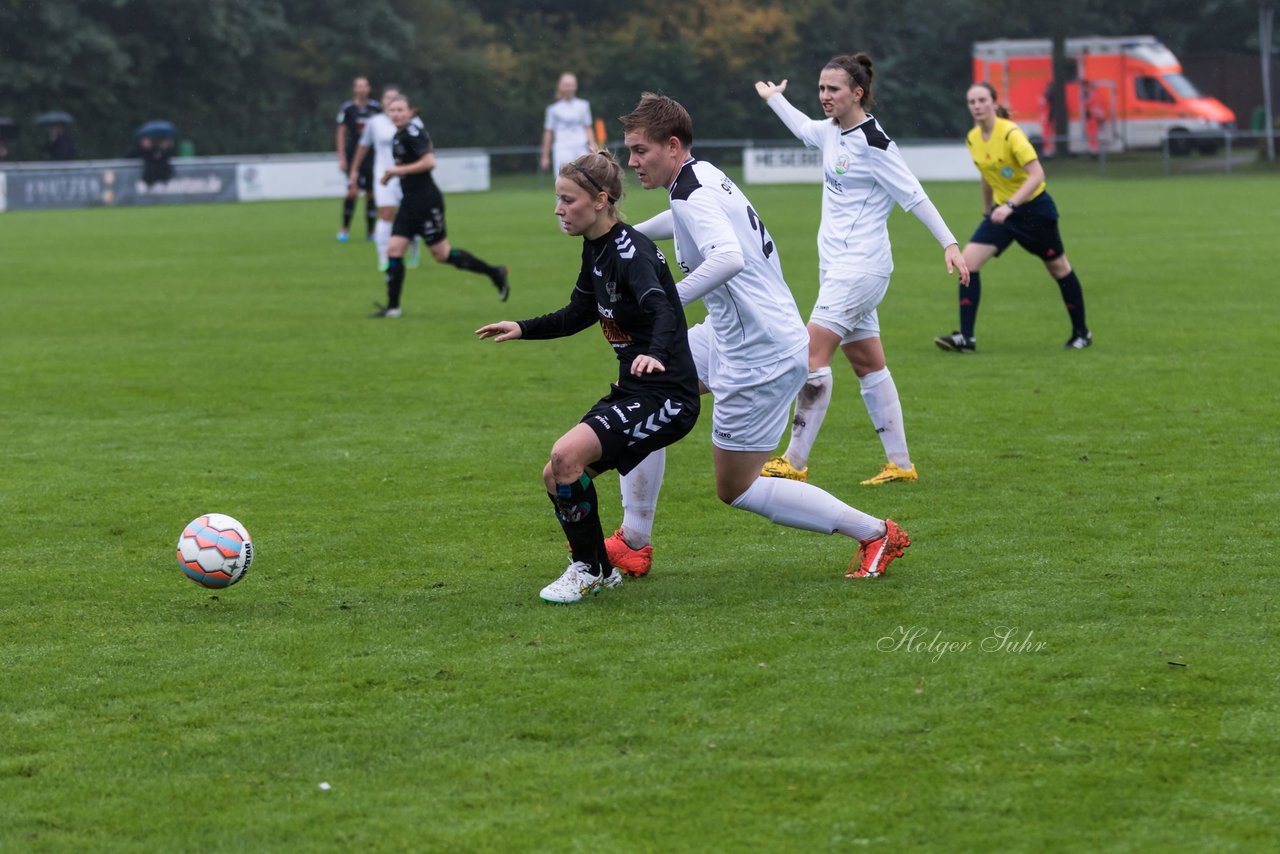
(1034, 225)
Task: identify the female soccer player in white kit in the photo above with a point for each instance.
(749, 352)
(864, 176)
(566, 129)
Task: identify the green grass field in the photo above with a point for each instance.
(1111, 511)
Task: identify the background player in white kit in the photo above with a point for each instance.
(566, 130)
(379, 132)
(864, 175)
(749, 352)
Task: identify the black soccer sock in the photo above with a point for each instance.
(370, 216)
(969, 299)
(348, 209)
(1073, 299)
(395, 281)
(579, 514)
(464, 260)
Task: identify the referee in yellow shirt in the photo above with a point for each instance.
(1016, 208)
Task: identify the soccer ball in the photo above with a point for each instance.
(214, 550)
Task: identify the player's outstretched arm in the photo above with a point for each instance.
(503, 330)
(769, 89)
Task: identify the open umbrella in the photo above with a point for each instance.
(54, 117)
(156, 128)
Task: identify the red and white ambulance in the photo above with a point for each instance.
(1122, 92)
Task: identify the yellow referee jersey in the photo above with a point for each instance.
(1001, 158)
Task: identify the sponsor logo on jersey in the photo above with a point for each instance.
(842, 164)
(1006, 171)
(614, 334)
(611, 288)
(604, 312)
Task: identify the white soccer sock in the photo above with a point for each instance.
(381, 237)
(881, 397)
(640, 488)
(811, 408)
(805, 506)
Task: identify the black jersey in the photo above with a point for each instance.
(353, 117)
(625, 284)
(411, 143)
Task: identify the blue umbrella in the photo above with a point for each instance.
(54, 117)
(156, 127)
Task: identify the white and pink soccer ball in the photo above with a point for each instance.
(215, 550)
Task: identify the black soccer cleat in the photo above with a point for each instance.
(955, 343)
(1078, 340)
(500, 282)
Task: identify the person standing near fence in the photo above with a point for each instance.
(567, 128)
(1015, 207)
(864, 176)
(352, 116)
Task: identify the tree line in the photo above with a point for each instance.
(267, 76)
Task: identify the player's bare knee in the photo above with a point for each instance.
(565, 465)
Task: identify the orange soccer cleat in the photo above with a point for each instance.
(874, 556)
(633, 562)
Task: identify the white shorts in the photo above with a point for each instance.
(847, 305)
(561, 156)
(386, 195)
(752, 406)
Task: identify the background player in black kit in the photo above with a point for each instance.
(421, 210)
(351, 118)
(625, 286)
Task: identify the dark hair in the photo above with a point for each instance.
(387, 87)
(597, 173)
(995, 96)
(858, 67)
(660, 118)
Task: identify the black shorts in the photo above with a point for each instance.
(364, 178)
(631, 426)
(1034, 225)
(423, 219)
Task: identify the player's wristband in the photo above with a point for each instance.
(1012, 206)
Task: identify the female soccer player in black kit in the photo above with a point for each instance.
(626, 286)
(421, 210)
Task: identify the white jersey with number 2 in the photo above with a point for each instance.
(753, 314)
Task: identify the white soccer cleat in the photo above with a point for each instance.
(577, 583)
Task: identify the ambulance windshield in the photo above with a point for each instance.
(1182, 86)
